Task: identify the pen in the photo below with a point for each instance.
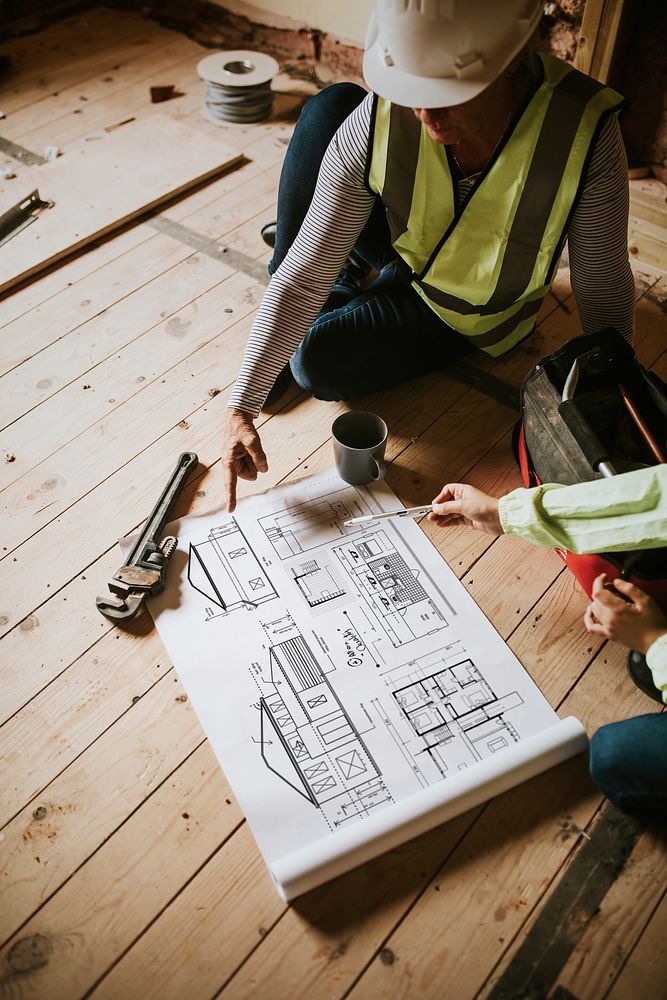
(401, 512)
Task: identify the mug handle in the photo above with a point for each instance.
(380, 468)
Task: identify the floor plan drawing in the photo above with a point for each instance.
(321, 584)
(314, 523)
(453, 711)
(391, 589)
(308, 739)
(351, 688)
(225, 570)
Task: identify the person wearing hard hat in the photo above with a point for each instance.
(458, 179)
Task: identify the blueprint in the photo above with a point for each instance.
(354, 693)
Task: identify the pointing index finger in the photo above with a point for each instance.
(230, 488)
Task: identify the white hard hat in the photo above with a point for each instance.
(437, 53)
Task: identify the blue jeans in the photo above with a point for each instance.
(628, 762)
(375, 339)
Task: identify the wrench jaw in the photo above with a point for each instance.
(121, 609)
(131, 585)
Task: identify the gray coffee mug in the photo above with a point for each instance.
(359, 441)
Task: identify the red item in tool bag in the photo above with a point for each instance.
(566, 442)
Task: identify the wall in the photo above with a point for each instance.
(347, 19)
(644, 84)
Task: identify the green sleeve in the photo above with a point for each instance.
(605, 515)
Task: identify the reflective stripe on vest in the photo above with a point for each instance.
(486, 267)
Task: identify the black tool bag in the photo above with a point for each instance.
(593, 432)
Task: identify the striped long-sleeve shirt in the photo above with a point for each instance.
(597, 242)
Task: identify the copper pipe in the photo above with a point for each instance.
(641, 425)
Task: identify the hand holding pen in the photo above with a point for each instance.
(457, 503)
(401, 512)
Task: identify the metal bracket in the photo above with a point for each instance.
(21, 215)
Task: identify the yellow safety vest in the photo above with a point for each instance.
(484, 267)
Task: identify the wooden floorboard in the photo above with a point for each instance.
(128, 869)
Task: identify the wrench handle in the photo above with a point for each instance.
(151, 534)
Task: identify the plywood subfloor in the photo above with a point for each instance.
(128, 869)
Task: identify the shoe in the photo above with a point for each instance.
(354, 272)
(268, 234)
(284, 382)
(640, 672)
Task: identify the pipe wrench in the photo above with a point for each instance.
(143, 573)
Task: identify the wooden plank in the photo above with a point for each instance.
(92, 694)
(648, 243)
(50, 372)
(618, 924)
(131, 102)
(54, 636)
(581, 888)
(101, 390)
(648, 200)
(644, 973)
(64, 52)
(133, 62)
(347, 918)
(181, 826)
(604, 693)
(99, 187)
(72, 816)
(551, 642)
(257, 157)
(598, 37)
(83, 348)
(52, 486)
(511, 567)
(448, 940)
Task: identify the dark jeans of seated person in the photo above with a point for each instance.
(628, 762)
(362, 341)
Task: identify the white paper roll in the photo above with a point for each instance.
(347, 848)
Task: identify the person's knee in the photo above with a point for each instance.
(629, 766)
(333, 104)
(313, 373)
(606, 759)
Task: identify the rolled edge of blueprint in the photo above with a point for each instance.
(399, 822)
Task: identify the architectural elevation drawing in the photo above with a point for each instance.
(225, 570)
(307, 738)
(352, 690)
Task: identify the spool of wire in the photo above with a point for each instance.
(238, 85)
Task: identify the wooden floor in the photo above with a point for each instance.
(128, 869)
